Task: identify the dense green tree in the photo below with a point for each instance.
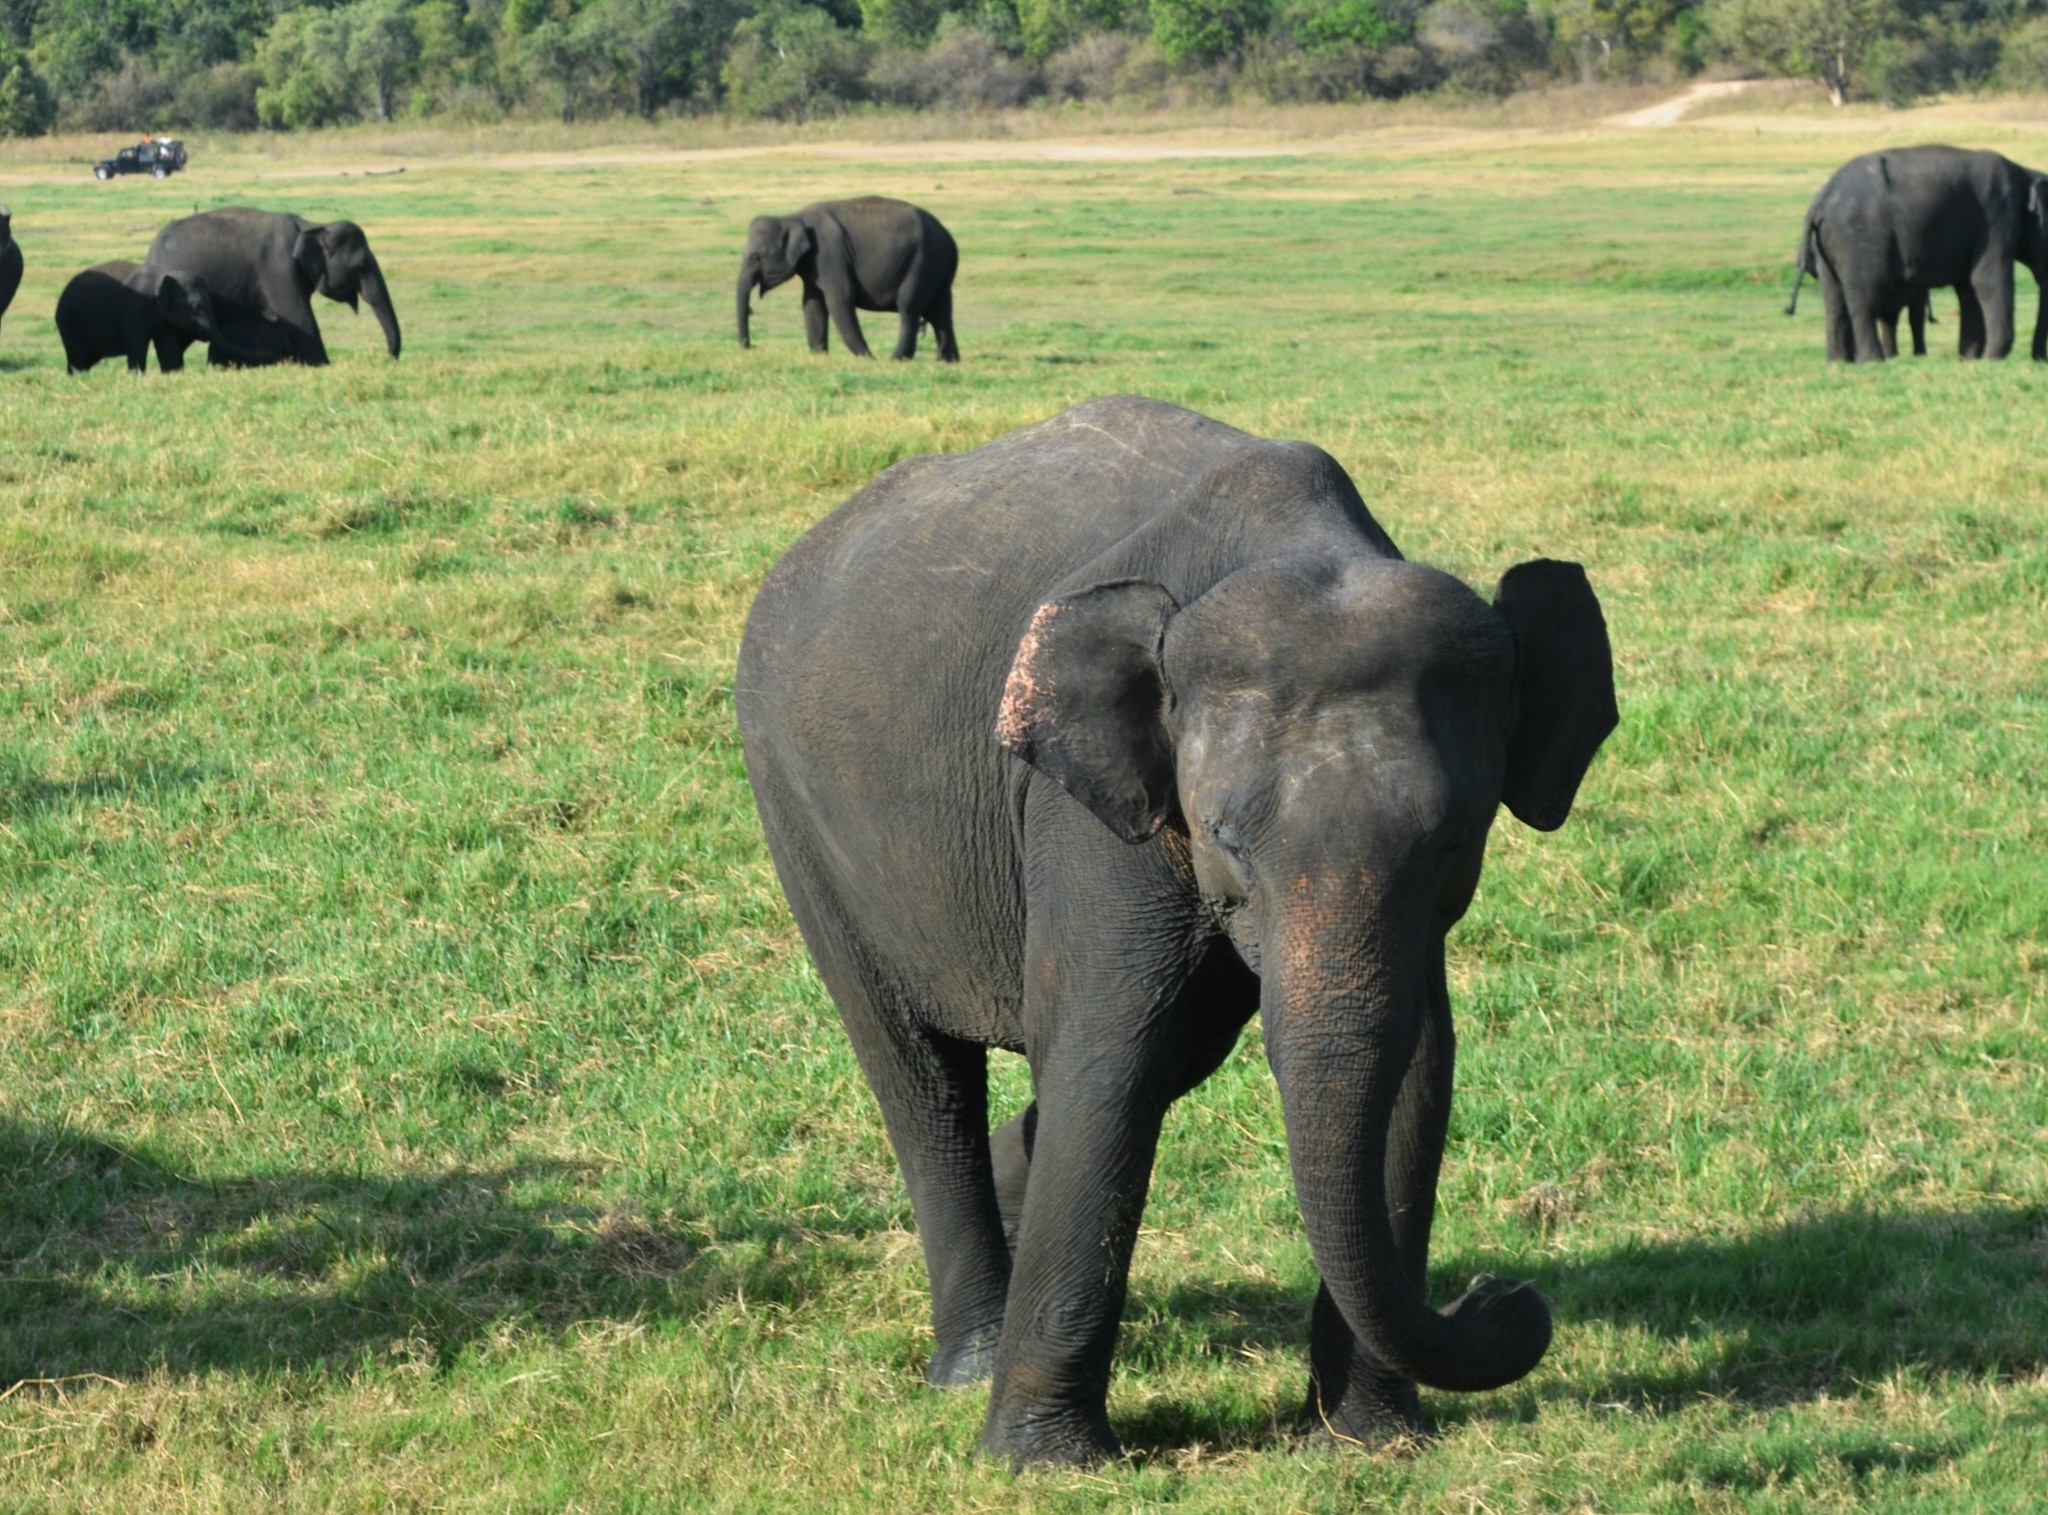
(27, 107)
(792, 61)
(1205, 30)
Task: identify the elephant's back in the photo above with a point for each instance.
(228, 249)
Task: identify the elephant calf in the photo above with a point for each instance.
(855, 255)
(250, 342)
(119, 309)
(1090, 744)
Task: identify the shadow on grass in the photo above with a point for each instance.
(112, 1263)
(23, 794)
(1789, 1314)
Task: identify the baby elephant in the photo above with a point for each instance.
(250, 342)
(118, 309)
(855, 255)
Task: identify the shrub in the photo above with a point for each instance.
(1088, 69)
(133, 99)
(27, 108)
(792, 62)
(221, 98)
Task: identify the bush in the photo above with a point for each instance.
(221, 98)
(1088, 69)
(135, 99)
(1283, 71)
(961, 70)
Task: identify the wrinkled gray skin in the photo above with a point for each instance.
(1893, 224)
(265, 264)
(10, 260)
(855, 255)
(119, 309)
(1089, 744)
(251, 342)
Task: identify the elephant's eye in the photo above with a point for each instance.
(1226, 836)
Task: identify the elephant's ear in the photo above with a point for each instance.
(797, 242)
(1564, 687)
(309, 251)
(2037, 201)
(1086, 702)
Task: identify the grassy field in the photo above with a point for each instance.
(416, 1095)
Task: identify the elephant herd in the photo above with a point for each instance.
(239, 280)
(1094, 742)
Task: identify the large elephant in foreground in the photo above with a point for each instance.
(265, 264)
(10, 260)
(1092, 742)
(121, 309)
(1894, 224)
(855, 255)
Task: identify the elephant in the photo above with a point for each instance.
(855, 255)
(1087, 745)
(10, 260)
(266, 264)
(250, 342)
(1893, 224)
(119, 309)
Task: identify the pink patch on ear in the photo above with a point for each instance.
(1023, 695)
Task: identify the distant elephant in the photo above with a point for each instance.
(10, 260)
(117, 310)
(265, 264)
(854, 255)
(1889, 301)
(1089, 744)
(1921, 218)
(250, 342)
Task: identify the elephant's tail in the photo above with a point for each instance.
(1804, 260)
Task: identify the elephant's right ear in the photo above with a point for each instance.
(797, 242)
(1564, 687)
(1086, 702)
(310, 253)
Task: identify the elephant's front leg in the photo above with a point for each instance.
(1352, 1395)
(814, 317)
(1090, 1168)
(839, 302)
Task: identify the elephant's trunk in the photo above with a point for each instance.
(372, 288)
(750, 276)
(1343, 1014)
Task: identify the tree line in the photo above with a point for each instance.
(156, 65)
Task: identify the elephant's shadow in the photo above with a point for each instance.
(1779, 1316)
(441, 1260)
(308, 1269)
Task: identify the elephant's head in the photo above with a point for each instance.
(1334, 740)
(337, 260)
(187, 306)
(778, 249)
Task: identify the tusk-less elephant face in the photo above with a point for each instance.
(1334, 738)
(336, 257)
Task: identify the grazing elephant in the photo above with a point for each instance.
(855, 255)
(263, 264)
(1891, 300)
(10, 260)
(1912, 219)
(250, 342)
(1087, 745)
(117, 310)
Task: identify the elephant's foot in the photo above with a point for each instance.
(960, 1364)
(1072, 1438)
(1376, 1412)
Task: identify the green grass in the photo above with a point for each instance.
(417, 1096)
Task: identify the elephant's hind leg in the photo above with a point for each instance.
(1969, 323)
(1841, 333)
(907, 320)
(940, 313)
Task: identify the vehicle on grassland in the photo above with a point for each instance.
(160, 156)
